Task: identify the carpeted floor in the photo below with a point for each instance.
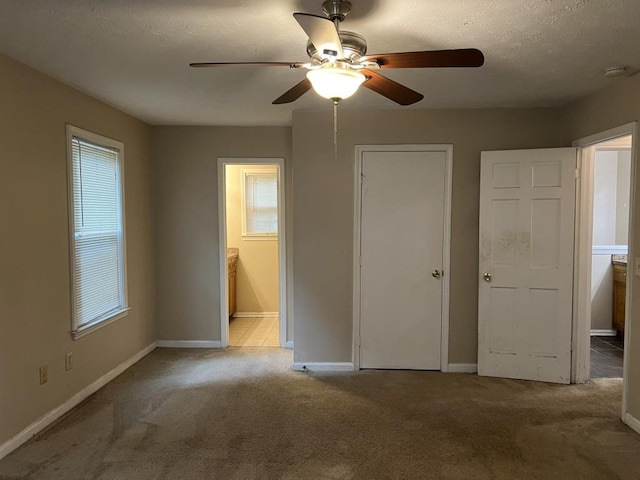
(243, 414)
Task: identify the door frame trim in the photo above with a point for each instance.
(282, 244)
(446, 242)
(582, 279)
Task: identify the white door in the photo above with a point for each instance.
(527, 205)
(402, 225)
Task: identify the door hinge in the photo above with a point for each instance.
(577, 173)
(360, 260)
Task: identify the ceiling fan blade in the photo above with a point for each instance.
(258, 64)
(390, 89)
(294, 93)
(323, 34)
(466, 57)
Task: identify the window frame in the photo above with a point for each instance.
(78, 331)
(258, 171)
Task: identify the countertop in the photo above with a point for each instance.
(619, 260)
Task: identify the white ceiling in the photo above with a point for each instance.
(134, 54)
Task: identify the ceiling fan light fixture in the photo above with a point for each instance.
(335, 81)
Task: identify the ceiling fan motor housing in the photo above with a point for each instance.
(336, 9)
(354, 46)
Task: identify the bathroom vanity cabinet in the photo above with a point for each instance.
(232, 264)
(619, 291)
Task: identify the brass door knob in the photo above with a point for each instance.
(436, 274)
(487, 277)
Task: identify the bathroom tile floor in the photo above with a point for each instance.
(606, 357)
(254, 332)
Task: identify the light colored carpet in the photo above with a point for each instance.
(243, 414)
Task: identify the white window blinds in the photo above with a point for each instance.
(261, 203)
(97, 236)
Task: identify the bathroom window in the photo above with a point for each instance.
(260, 203)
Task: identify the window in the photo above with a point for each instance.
(96, 207)
(260, 203)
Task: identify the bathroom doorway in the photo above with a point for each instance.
(604, 220)
(253, 285)
(611, 197)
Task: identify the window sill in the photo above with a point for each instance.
(87, 329)
(260, 237)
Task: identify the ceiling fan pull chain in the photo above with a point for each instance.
(335, 129)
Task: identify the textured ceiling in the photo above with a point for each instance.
(134, 54)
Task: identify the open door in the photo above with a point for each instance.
(527, 208)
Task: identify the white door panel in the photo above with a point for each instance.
(402, 225)
(527, 204)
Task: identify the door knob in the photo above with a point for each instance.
(435, 274)
(487, 277)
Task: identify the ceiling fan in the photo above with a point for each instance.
(339, 64)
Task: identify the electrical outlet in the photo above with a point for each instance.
(68, 361)
(44, 375)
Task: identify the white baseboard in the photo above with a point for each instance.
(463, 368)
(255, 315)
(48, 418)
(289, 345)
(603, 332)
(189, 344)
(323, 366)
(631, 422)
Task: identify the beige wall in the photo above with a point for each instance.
(35, 303)
(257, 267)
(617, 105)
(323, 211)
(187, 242)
